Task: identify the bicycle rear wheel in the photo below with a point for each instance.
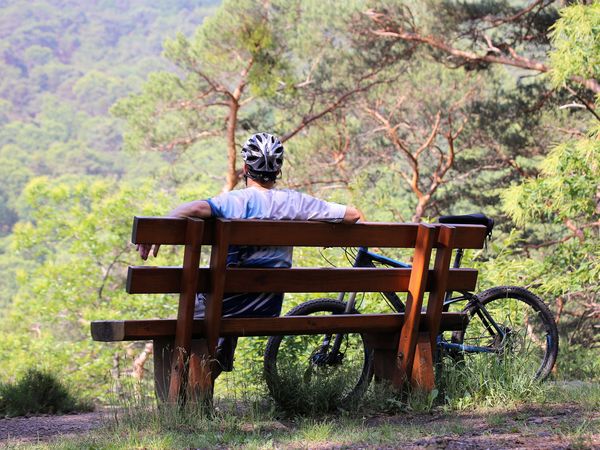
(303, 373)
(527, 329)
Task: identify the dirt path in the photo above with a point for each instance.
(44, 428)
(562, 426)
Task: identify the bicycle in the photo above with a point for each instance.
(502, 320)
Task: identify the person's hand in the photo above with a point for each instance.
(145, 249)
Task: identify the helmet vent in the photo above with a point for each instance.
(263, 152)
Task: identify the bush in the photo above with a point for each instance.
(38, 392)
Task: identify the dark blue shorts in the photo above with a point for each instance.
(244, 305)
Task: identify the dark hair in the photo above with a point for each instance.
(263, 177)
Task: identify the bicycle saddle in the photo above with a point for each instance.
(470, 219)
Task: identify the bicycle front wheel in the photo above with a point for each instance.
(521, 326)
(308, 373)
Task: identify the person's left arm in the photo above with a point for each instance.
(312, 208)
(197, 208)
(353, 215)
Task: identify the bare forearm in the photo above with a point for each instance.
(197, 208)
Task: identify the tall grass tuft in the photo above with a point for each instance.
(233, 418)
(471, 381)
(488, 380)
(38, 392)
(312, 393)
(135, 407)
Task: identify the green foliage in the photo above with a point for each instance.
(558, 210)
(174, 111)
(38, 392)
(576, 41)
(566, 187)
(75, 245)
(244, 27)
(63, 65)
(579, 362)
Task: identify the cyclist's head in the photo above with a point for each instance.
(263, 155)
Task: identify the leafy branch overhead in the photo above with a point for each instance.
(492, 38)
(238, 64)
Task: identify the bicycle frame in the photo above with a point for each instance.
(366, 258)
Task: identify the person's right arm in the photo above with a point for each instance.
(197, 208)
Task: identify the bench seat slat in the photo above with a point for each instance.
(131, 330)
(167, 230)
(167, 280)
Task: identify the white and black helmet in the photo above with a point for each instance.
(263, 152)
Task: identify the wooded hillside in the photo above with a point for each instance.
(409, 110)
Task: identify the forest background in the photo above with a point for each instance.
(406, 109)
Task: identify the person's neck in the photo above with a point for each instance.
(256, 184)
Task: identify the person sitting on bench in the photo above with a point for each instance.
(263, 159)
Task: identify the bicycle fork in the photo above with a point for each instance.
(329, 353)
(491, 327)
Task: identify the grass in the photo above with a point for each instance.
(586, 395)
(315, 393)
(486, 380)
(257, 427)
(499, 400)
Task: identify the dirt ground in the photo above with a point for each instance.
(45, 428)
(552, 427)
(563, 426)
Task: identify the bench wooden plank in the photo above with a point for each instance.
(418, 282)
(159, 230)
(153, 230)
(214, 303)
(422, 371)
(185, 312)
(133, 330)
(167, 280)
(319, 234)
(442, 281)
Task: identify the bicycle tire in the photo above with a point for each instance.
(285, 355)
(531, 327)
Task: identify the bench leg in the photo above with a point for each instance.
(384, 363)
(201, 377)
(422, 374)
(202, 373)
(178, 375)
(163, 353)
(422, 371)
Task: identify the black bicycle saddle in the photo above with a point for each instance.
(470, 219)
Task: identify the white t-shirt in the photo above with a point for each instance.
(271, 204)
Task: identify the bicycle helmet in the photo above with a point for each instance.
(263, 152)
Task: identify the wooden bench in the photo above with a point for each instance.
(403, 342)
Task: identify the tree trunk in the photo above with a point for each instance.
(232, 119)
(420, 209)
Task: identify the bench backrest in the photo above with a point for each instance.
(218, 279)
